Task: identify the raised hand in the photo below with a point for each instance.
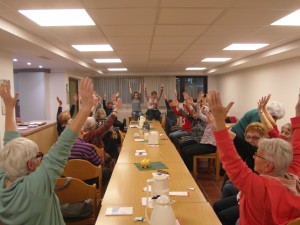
(8, 99)
(190, 100)
(86, 93)
(118, 104)
(200, 97)
(218, 110)
(59, 101)
(75, 99)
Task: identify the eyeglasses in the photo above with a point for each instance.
(254, 138)
(39, 155)
(255, 154)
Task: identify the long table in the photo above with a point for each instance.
(127, 182)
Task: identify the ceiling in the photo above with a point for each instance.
(151, 37)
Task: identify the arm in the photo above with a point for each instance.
(161, 91)
(140, 90)
(264, 113)
(74, 103)
(130, 90)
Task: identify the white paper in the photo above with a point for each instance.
(139, 139)
(119, 211)
(136, 135)
(140, 153)
(133, 126)
(144, 200)
(178, 193)
(153, 146)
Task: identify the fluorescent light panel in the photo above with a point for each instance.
(292, 19)
(251, 47)
(107, 60)
(59, 17)
(215, 59)
(196, 68)
(93, 48)
(117, 69)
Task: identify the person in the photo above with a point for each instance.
(271, 195)
(109, 108)
(62, 117)
(153, 112)
(275, 108)
(171, 118)
(136, 98)
(186, 128)
(27, 180)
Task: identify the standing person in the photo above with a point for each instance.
(27, 179)
(272, 195)
(153, 100)
(171, 118)
(136, 98)
(62, 118)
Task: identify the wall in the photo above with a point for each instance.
(245, 87)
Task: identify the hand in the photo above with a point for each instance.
(162, 85)
(190, 100)
(200, 96)
(75, 99)
(298, 106)
(8, 100)
(218, 111)
(175, 93)
(104, 97)
(175, 102)
(59, 101)
(86, 93)
(118, 104)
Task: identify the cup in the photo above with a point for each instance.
(146, 136)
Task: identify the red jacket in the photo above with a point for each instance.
(263, 200)
(186, 124)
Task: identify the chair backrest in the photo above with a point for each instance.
(100, 152)
(295, 222)
(83, 170)
(74, 191)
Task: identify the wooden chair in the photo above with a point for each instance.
(213, 160)
(77, 191)
(100, 152)
(295, 222)
(84, 170)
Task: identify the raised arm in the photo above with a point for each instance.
(161, 91)
(9, 102)
(130, 90)
(263, 112)
(74, 103)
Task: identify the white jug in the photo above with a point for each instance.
(141, 121)
(153, 138)
(159, 185)
(162, 213)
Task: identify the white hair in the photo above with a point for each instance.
(90, 121)
(15, 155)
(279, 152)
(276, 109)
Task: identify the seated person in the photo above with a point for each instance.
(27, 181)
(62, 118)
(153, 112)
(272, 193)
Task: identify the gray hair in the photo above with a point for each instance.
(279, 152)
(100, 114)
(15, 155)
(276, 109)
(90, 121)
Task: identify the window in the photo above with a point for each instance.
(192, 85)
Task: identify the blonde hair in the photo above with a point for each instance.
(257, 127)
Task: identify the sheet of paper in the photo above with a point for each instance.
(119, 211)
(133, 126)
(144, 200)
(139, 139)
(140, 153)
(178, 193)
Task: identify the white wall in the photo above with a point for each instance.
(245, 87)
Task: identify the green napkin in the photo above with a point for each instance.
(152, 166)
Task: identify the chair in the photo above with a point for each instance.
(76, 191)
(295, 222)
(213, 160)
(100, 152)
(84, 170)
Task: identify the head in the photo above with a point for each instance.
(254, 132)
(276, 109)
(153, 94)
(90, 124)
(100, 114)
(20, 157)
(109, 105)
(286, 132)
(273, 157)
(64, 117)
(136, 95)
(170, 102)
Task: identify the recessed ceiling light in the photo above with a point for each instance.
(15, 60)
(117, 69)
(29, 63)
(215, 59)
(93, 48)
(196, 68)
(292, 19)
(40, 66)
(245, 46)
(59, 17)
(107, 60)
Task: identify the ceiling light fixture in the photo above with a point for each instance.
(107, 60)
(93, 48)
(248, 47)
(215, 59)
(292, 19)
(40, 66)
(59, 17)
(29, 63)
(15, 60)
(196, 68)
(117, 69)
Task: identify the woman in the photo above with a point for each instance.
(26, 181)
(136, 98)
(272, 195)
(153, 100)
